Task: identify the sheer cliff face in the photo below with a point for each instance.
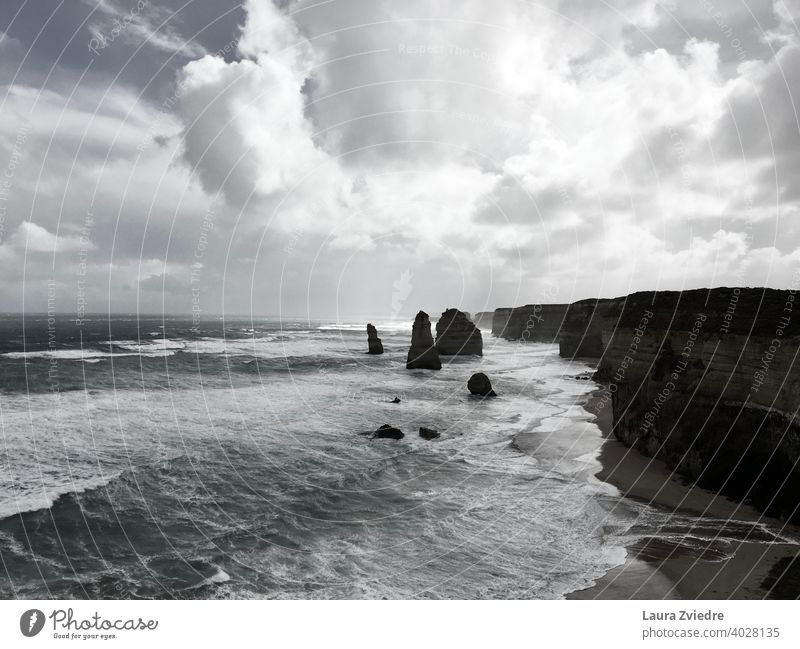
(582, 332)
(456, 335)
(484, 319)
(499, 321)
(709, 381)
(531, 323)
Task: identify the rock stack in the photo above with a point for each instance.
(422, 354)
(480, 385)
(456, 335)
(375, 344)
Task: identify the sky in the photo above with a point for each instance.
(344, 157)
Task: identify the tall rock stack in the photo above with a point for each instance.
(375, 344)
(422, 355)
(456, 335)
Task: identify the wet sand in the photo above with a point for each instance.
(656, 569)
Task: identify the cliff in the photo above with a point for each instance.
(422, 354)
(530, 323)
(582, 332)
(483, 319)
(456, 335)
(706, 380)
(499, 321)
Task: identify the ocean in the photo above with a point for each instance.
(143, 457)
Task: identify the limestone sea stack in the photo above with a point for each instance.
(479, 384)
(456, 335)
(375, 344)
(422, 355)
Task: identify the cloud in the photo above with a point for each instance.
(30, 237)
(144, 22)
(492, 150)
(245, 132)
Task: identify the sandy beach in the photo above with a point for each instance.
(656, 569)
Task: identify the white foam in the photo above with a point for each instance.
(219, 577)
(14, 503)
(86, 355)
(148, 346)
(381, 326)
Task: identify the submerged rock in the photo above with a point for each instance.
(456, 335)
(481, 385)
(422, 354)
(375, 344)
(388, 432)
(428, 433)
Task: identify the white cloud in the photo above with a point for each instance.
(143, 22)
(246, 134)
(595, 145)
(515, 125)
(29, 237)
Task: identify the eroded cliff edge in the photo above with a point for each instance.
(706, 380)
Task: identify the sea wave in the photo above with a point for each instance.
(12, 505)
(393, 326)
(86, 355)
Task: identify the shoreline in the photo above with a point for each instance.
(660, 569)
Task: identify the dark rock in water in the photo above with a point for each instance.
(428, 433)
(375, 344)
(395, 400)
(456, 335)
(422, 354)
(388, 432)
(481, 385)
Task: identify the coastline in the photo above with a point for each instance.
(659, 569)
